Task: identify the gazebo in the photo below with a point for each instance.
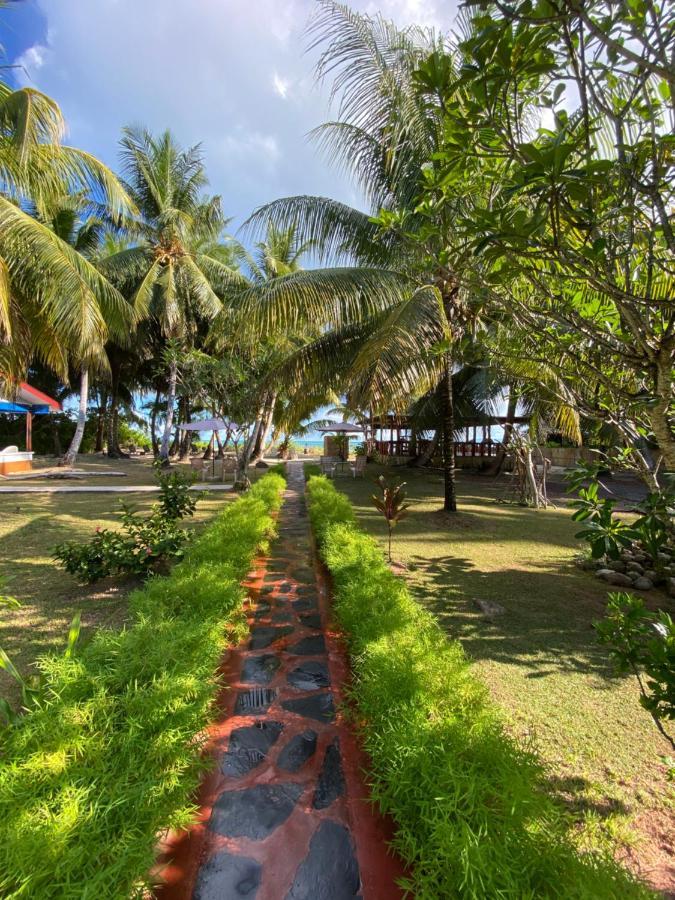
(26, 401)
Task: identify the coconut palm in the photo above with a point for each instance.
(174, 274)
(397, 319)
(53, 301)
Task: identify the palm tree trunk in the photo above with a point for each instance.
(448, 437)
(170, 400)
(100, 422)
(508, 431)
(263, 433)
(186, 439)
(153, 425)
(70, 455)
(427, 455)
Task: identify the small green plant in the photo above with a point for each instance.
(654, 528)
(391, 503)
(606, 534)
(143, 543)
(644, 644)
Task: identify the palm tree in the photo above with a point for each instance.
(397, 320)
(175, 272)
(53, 301)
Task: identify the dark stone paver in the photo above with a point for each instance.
(331, 780)
(248, 747)
(311, 620)
(264, 635)
(227, 875)
(304, 605)
(309, 646)
(297, 751)
(254, 812)
(309, 676)
(329, 871)
(254, 702)
(319, 707)
(260, 669)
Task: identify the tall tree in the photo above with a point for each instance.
(175, 269)
(403, 299)
(53, 301)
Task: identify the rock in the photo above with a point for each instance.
(670, 587)
(643, 584)
(297, 751)
(261, 464)
(248, 747)
(331, 783)
(227, 875)
(602, 573)
(616, 565)
(254, 702)
(590, 564)
(309, 676)
(330, 870)
(309, 646)
(651, 574)
(490, 608)
(664, 557)
(255, 812)
(618, 579)
(319, 707)
(635, 567)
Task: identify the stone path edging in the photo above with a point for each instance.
(285, 815)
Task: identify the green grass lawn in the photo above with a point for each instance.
(30, 526)
(540, 658)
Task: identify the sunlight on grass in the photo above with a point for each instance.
(540, 658)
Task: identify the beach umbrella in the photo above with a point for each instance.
(341, 428)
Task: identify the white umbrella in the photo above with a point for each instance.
(342, 428)
(206, 425)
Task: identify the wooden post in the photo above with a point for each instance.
(29, 431)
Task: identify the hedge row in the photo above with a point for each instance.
(472, 819)
(110, 759)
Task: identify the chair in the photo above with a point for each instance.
(328, 464)
(358, 467)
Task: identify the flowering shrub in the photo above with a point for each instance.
(143, 543)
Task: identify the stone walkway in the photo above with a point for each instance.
(285, 816)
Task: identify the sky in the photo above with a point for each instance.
(233, 75)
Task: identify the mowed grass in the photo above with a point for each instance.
(540, 658)
(30, 526)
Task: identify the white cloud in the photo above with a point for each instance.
(213, 71)
(280, 85)
(31, 61)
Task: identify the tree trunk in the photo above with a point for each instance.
(70, 455)
(425, 458)
(56, 437)
(659, 413)
(448, 436)
(153, 425)
(508, 431)
(114, 450)
(186, 439)
(263, 433)
(168, 425)
(100, 422)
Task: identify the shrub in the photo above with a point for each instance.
(142, 544)
(471, 817)
(111, 756)
(644, 645)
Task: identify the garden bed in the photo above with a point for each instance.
(472, 817)
(111, 757)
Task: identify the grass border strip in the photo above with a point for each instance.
(472, 817)
(113, 756)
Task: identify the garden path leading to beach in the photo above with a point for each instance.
(285, 813)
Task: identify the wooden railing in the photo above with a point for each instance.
(463, 449)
